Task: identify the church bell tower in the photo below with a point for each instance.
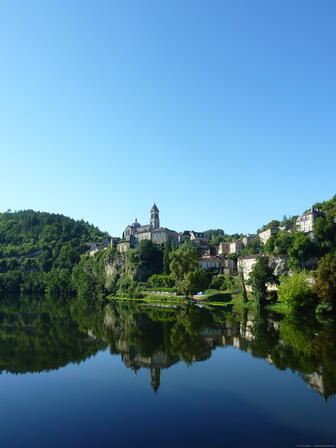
(154, 217)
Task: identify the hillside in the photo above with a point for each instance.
(33, 244)
(328, 207)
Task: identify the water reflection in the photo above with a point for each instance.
(38, 335)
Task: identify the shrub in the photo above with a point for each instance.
(294, 290)
(222, 282)
(325, 286)
(196, 281)
(161, 281)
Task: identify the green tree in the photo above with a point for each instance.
(161, 281)
(270, 225)
(35, 243)
(300, 250)
(279, 243)
(89, 278)
(325, 232)
(260, 276)
(196, 281)
(325, 285)
(295, 291)
(184, 260)
(168, 247)
(59, 284)
(254, 246)
(147, 258)
(222, 282)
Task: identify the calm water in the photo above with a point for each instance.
(135, 375)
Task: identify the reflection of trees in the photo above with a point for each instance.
(309, 348)
(37, 335)
(156, 338)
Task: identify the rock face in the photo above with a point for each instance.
(121, 272)
(279, 265)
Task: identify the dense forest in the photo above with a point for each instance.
(38, 250)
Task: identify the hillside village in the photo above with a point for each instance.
(224, 257)
(48, 252)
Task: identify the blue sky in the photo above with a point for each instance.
(223, 112)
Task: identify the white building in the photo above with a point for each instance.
(266, 234)
(210, 262)
(305, 222)
(223, 248)
(236, 246)
(246, 263)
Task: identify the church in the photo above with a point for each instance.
(136, 232)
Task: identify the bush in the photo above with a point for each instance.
(161, 281)
(294, 290)
(324, 308)
(196, 281)
(222, 282)
(325, 286)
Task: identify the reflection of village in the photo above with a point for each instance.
(36, 336)
(245, 332)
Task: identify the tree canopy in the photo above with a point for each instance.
(33, 244)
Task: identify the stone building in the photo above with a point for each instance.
(229, 267)
(305, 222)
(136, 232)
(246, 263)
(235, 246)
(266, 234)
(183, 236)
(197, 239)
(223, 248)
(249, 237)
(220, 265)
(210, 262)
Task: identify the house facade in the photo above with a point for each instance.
(210, 262)
(223, 249)
(266, 234)
(245, 264)
(198, 239)
(220, 265)
(305, 222)
(236, 246)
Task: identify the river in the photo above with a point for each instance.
(130, 375)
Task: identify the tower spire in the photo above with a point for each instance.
(154, 217)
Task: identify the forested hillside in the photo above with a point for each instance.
(328, 207)
(37, 248)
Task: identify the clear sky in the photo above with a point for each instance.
(221, 111)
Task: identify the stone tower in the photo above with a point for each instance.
(155, 378)
(154, 217)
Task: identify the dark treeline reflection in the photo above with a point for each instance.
(37, 335)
